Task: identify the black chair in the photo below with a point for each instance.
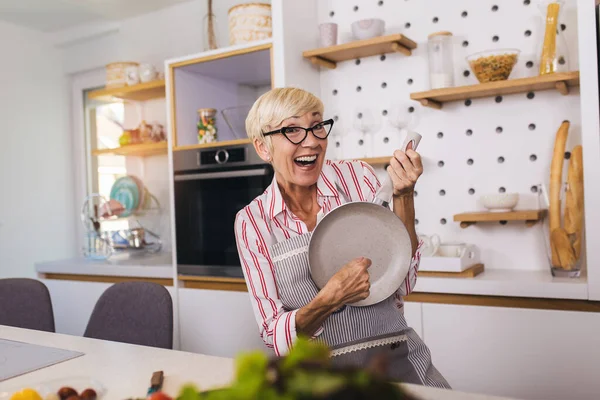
(133, 312)
(26, 303)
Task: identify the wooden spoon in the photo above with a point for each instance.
(562, 250)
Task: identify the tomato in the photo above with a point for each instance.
(159, 396)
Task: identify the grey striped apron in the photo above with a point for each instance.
(355, 334)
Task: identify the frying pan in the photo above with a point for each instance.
(364, 229)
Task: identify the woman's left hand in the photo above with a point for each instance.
(405, 168)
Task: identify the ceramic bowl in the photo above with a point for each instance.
(500, 202)
(368, 28)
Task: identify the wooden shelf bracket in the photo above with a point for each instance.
(322, 62)
(431, 104)
(399, 48)
(562, 88)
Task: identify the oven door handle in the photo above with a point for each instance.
(223, 174)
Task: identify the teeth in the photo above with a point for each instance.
(307, 158)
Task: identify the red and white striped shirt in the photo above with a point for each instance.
(267, 221)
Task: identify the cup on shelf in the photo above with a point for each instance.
(132, 75)
(328, 33)
(148, 73)
(430, 245)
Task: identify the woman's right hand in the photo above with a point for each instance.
(351, 283)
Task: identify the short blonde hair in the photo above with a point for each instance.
(278, 104)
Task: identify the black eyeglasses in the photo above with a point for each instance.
(296, 134)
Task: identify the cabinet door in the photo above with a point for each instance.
(217, 323)
(528, 354)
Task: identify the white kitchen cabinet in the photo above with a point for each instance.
(74, 301)
(217, 323)
(413, 315)
(521, 353)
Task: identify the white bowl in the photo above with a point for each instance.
(500, 202)
(368, 28)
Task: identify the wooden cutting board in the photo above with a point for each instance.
(471, 272)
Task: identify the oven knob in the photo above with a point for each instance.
(221, 156)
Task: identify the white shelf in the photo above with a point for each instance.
(509, 283)
(154, 266)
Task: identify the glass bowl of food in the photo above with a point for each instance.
(493, 65)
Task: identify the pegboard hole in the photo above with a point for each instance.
(534, 189)
(529, 64)
(411, 109)
(532, 157)
(563, 27)
(441, 164)
(530, 95)
(440, 135)
(357, 62)
(334, 92)
(435, 20)
(561, 60)
(469, 132)
(567, 155)
(464, 14)
(499, 129)
(527, 33)
(386, 140)
(532, 127)
(442, 192)
(500, 160)
(331, 13)
(361, 142)
(416, 222)
(383, 85)
(468, 102)
(382, 58)
(526, 2)
(495, 38)
(494, 8)
(337, 144)
(407, 25)
(502, 189)
(359, 115)
(498, 99)
(410, 81)
(358, 88)
(443, 221)
(416, 193)
(384, 112)
(503, 222)
(467, 73)
(471, 191)
(355, 8)
(470, 161)
(465, 43)
(336, 118)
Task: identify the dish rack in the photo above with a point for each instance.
(102, 244)
(449, 261)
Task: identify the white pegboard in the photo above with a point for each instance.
(518, 131)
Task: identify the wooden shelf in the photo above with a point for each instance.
(141, 92)
(559, 81)
(328, 57)
(213, 283)
(138, 150)
(531, 217)
(209, 145)
(376, 160)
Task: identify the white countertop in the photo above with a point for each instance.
(504, 282)
(125, 369)
(159, 265)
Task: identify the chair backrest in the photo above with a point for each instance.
(133, 312)
(25, 303)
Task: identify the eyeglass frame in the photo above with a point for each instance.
(282, 131)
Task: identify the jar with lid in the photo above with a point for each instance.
(207, 127)
(441, 60)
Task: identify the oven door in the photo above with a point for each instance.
(206, 204)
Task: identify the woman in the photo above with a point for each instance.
(287, 128)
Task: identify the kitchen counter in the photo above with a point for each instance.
(157, 266)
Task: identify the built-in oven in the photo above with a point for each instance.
(211, 186)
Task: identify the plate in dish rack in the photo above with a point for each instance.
(125, 191)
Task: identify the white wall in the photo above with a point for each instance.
(37, 212)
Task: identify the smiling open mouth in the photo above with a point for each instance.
(306, 160)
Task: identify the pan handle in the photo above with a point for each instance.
(385, 192)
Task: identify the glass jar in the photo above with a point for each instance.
(207, 126)
(441, 60)
(553, 50)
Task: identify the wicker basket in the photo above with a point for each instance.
(115, 73)
(249, 22)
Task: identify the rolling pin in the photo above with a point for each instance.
(556, 170)
(574, 200)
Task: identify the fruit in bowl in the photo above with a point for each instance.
(500, 202)
(368, 28)
(493, 65)
(62, 389)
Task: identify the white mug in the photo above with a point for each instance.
(148, 73)
(430, 245)
(328, 33)
(132, 75)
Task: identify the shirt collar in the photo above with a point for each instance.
(325, 187)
